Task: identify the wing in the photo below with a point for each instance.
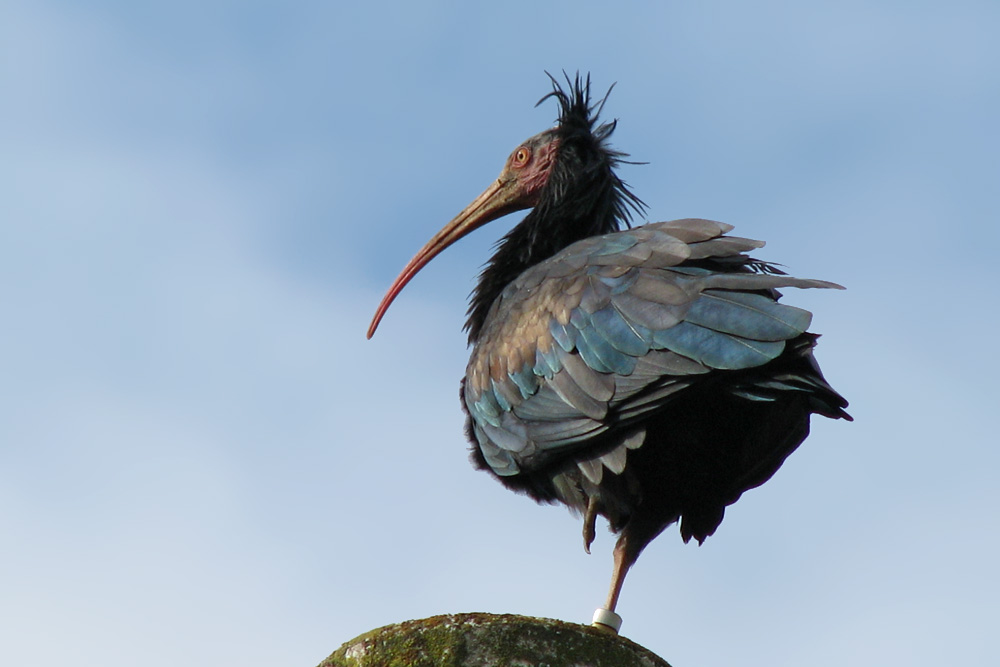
(584, 344)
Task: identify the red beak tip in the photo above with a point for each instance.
(372, 327)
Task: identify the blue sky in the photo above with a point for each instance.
(202, 460)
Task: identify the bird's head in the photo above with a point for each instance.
(565, 173)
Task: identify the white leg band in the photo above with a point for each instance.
(607, 619)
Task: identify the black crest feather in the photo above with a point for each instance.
(586, 154)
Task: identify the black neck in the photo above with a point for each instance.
(595, 206)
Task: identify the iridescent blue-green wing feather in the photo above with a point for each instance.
(611, 328)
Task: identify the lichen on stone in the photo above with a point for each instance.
(490, 640)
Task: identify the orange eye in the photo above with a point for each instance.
(521, 156)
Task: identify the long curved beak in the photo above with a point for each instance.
(502, 197)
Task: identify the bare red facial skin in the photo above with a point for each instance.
(534, 173)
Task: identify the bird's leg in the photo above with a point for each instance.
(621, 568)
(606, 618)
(589, 519)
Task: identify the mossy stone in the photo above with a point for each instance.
(490, 640)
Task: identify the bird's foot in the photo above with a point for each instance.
(589, 519)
